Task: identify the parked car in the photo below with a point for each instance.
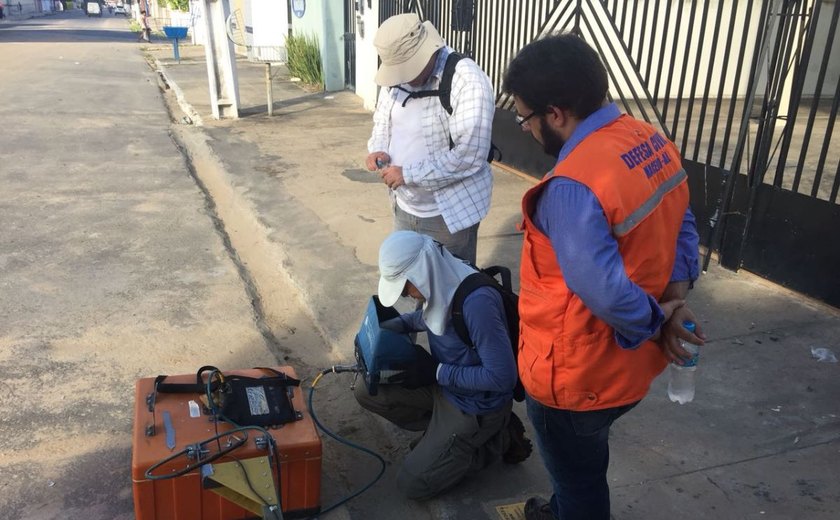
(93, 8)
(120, 9)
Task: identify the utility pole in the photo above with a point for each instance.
(221, 60)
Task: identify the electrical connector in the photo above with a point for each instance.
(337, 369)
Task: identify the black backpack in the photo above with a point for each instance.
(510, 301)
(443, 92)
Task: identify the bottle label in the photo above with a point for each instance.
(694, 350)
(691, 362)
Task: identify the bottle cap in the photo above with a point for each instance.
(690, 326)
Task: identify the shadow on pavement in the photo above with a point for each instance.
(23, 33)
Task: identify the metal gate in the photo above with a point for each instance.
(351, 10)
(747, 89)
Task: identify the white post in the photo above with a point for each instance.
(221, 60)
(269, 93)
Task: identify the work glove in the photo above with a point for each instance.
(421, 372)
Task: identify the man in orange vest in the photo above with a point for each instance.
(609, 252)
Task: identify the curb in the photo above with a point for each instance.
(263, 258)
(188, 109)
(264, 249)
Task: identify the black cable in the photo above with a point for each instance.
(217, 414)
(200, 462)
(343, 441)
(273, 460)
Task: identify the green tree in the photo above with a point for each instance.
(177, 5)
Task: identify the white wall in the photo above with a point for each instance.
(270, 22)
(325, 19)
(198, 32)
(366, 57)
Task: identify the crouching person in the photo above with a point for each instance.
(458, 396)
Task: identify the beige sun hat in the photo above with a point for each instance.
(405, 45)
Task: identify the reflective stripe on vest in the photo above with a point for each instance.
(639, 214)
(568, 357)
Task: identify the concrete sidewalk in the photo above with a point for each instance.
(761, 440)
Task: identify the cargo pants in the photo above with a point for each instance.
(455, 444)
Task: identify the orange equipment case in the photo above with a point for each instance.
(184, 497)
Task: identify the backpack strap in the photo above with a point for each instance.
(445, 86)
(444, 93)
(503, 272)
(417, 94)
(444, 89)
(199, 387)
(465, 288)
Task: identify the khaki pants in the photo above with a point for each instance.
(454, 445)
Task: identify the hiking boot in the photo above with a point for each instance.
(520, 447)
(536, 508)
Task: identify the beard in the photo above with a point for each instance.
(552, 143)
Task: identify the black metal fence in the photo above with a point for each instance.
(747, 89)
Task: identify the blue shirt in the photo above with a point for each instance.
(569, 214)
(479, 379)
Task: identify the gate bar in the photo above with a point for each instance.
(690, 101)
(719, 218)
(683, 75)
(777, 73)
(815, 102)
(801, 71)
(734, 97)
(677, 25)
(652, 45)
(719, 100)
(662, 56)
(620, 66)
(698, 139)
(826, 144)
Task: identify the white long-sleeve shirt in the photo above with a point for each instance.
(460, 177)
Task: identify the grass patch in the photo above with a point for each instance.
(304, 59)
(134, 25)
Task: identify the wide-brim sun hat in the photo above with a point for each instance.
(397, 254)
(405, 46)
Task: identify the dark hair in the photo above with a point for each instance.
(560, 70)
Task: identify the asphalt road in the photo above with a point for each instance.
(111, 265)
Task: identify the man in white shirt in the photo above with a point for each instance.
(434, 162)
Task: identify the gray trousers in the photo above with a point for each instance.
(463, 243)
(454, 445)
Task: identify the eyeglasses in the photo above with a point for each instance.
(521, 120)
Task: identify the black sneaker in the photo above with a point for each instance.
(536, 508)
(520, 447)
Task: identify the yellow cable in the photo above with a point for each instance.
(318, 378)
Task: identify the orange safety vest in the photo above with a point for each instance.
(568, 357)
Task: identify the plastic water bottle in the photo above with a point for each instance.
(681, 377)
